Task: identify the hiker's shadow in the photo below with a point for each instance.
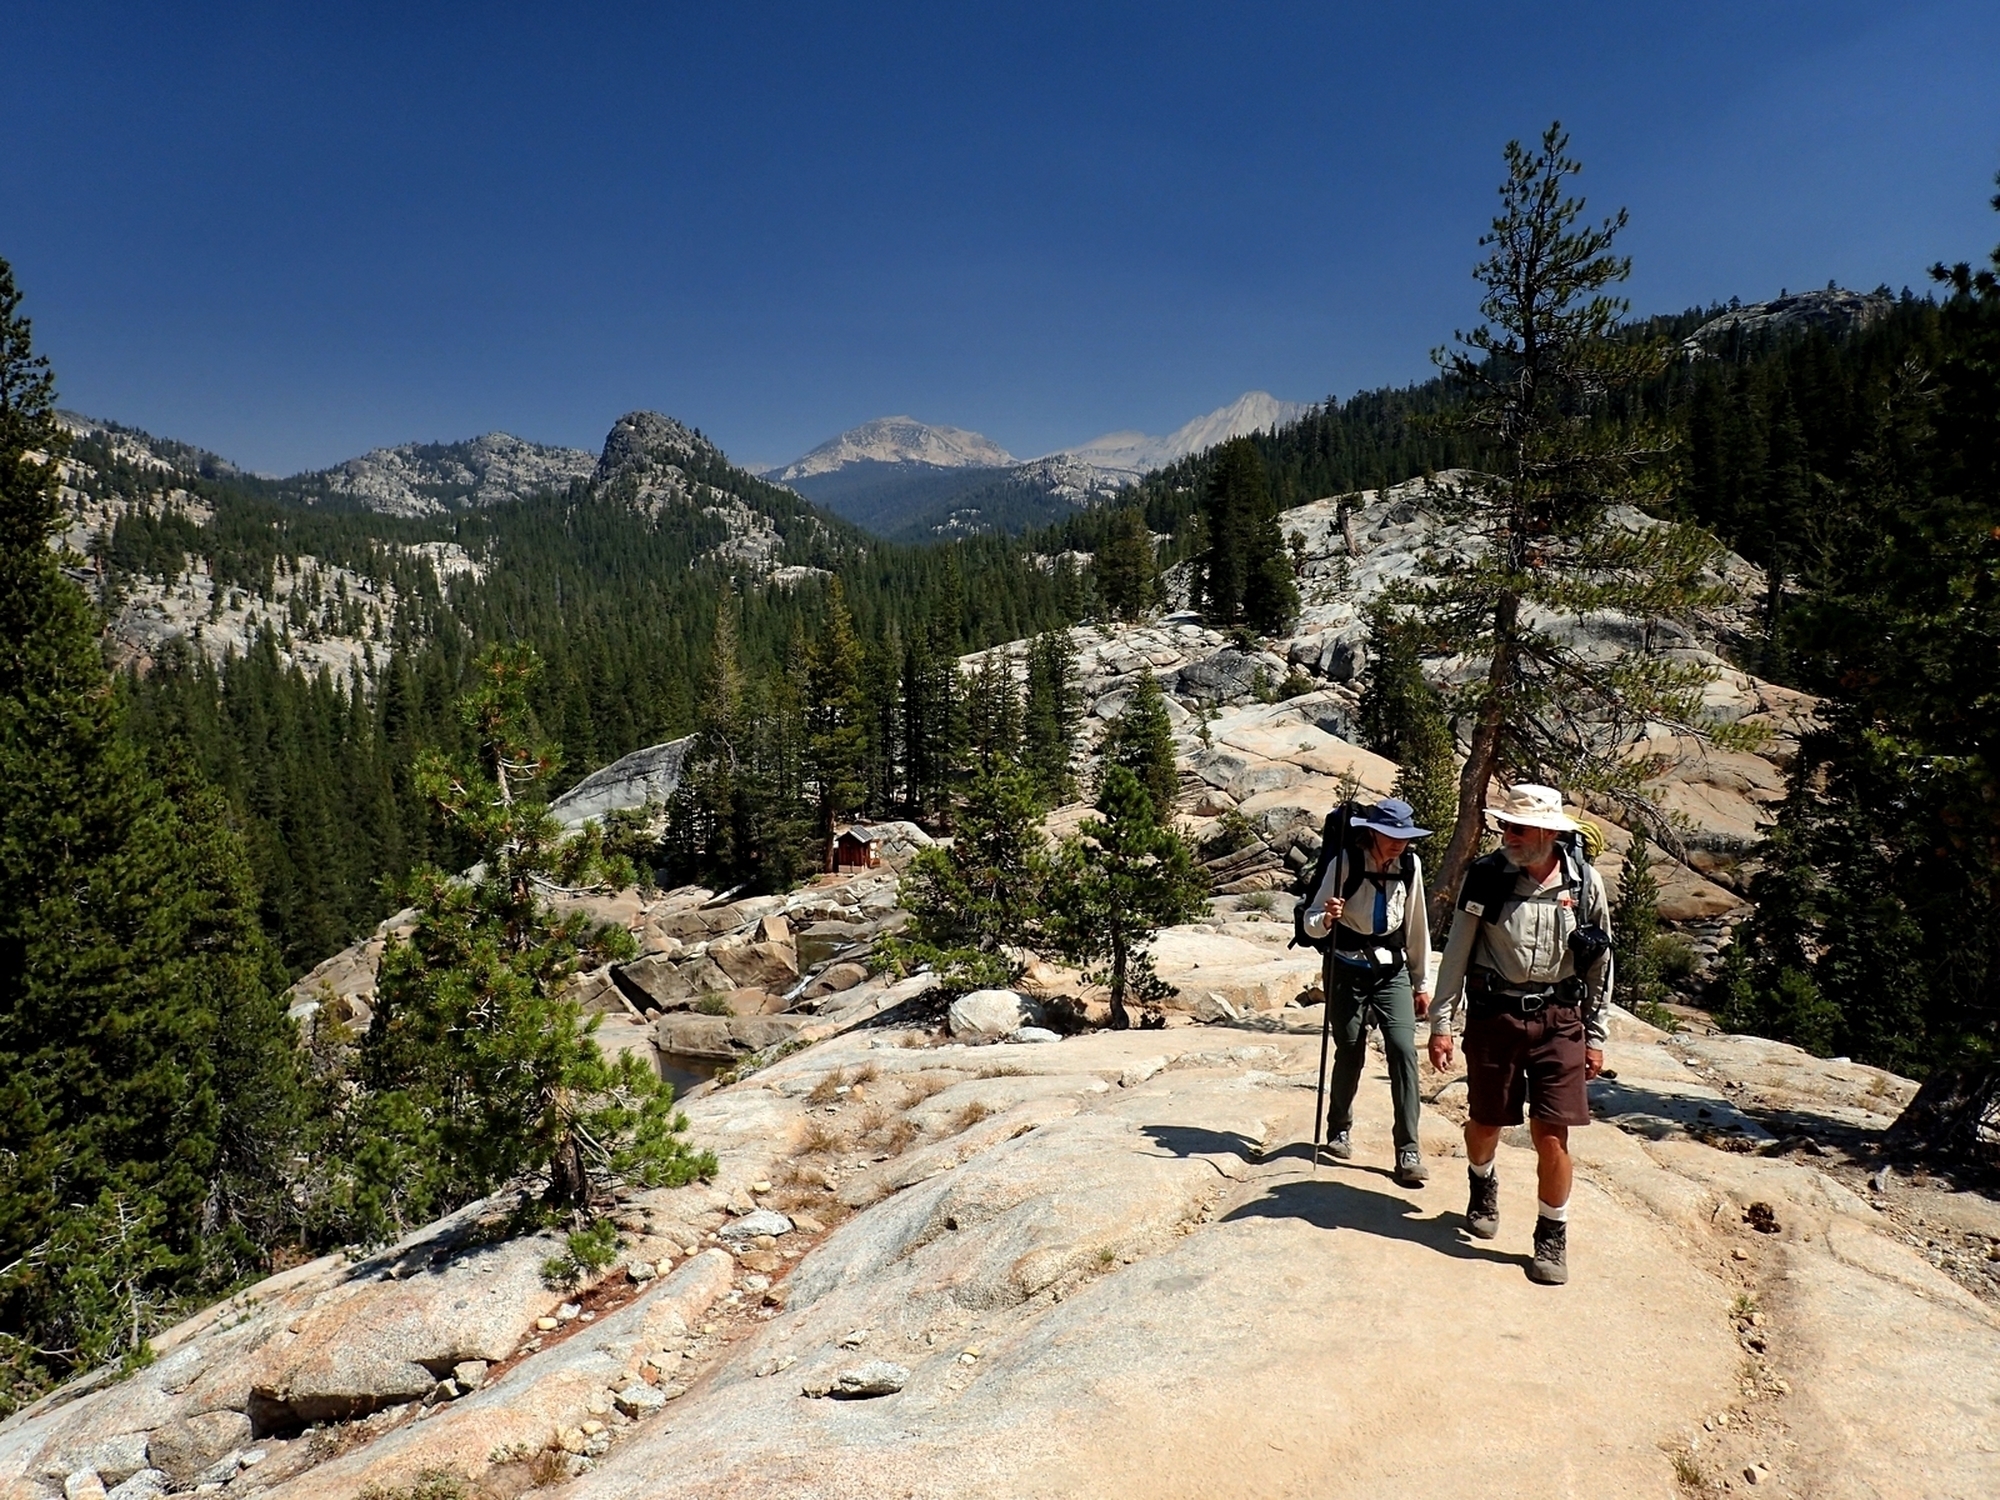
(1335, 1203)
(1195, 1140)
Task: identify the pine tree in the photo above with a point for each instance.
(1635, 923)
(1052, 716)
(972, 902)
(1243, 576)
(706, 818)
(1120, 878)
(475, 1070)
(993, 715)
(836, 722)
(1402, 717)
(933, 730)
(1518, 550)
(1123, 568)
(127, 946)
(1141, 740)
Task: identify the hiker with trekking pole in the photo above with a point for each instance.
(1364, 908)
(1530, 950)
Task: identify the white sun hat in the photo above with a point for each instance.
(1531, 806)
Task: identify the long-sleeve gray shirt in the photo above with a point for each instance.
(1378, 907)
(1529, 946)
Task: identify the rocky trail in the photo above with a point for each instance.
(1102, 1265)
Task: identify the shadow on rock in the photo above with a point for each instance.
(1658, 1114)
(1302, 1151)
(1194, 1140)
(1330, 1203)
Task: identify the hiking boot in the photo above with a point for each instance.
(1482, 1213)
(1410, 1169)
(1551, 1266)
(1341, 1146)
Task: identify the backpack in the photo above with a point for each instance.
(1489, 889)
(1337, 835)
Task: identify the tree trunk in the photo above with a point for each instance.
(569, 1178)
(1482, 759)
(1120, 1021)
(1954, 1120)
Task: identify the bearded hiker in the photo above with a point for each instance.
(1370, 899)
(1530, 949)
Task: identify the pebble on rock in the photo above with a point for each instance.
(879, 1377)
(639, 1399)
(144, 1485)
(751, 1225)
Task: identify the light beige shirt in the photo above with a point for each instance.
(1405, 910)
(1529, 946)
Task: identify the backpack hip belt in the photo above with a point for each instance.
(1373, 953)
(1489, 993)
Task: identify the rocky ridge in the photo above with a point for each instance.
(319, 615)
(418, 479)
(1835, 310)
(324, 616)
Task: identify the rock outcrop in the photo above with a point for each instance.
(1104, 1266)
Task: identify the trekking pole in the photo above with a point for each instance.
(1319, 1092)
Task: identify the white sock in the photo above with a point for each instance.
(1559, 1211)
(1481, 1168)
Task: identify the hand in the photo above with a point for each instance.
(1593, 1062)
(1441, 1052)
(1333, 908)
(1423, 1004)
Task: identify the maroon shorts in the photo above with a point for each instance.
(1536, 1060)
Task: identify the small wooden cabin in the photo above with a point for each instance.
(857, 848)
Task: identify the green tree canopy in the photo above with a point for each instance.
(1124, 567)
(477, 1069)
(984, 895)
(1533, 543)
(1141, 740)
(1243, 575)
(146, 1071)
(1116, 882)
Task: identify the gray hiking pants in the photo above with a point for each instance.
(1354, 998)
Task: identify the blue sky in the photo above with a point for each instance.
(292, 233)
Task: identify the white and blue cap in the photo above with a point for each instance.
(1393, 818)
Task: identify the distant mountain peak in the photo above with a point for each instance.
(641, 439)
(899, 440)
(1132, 454)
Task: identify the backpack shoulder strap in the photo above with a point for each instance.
(1489, 883)
(1331, 833)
